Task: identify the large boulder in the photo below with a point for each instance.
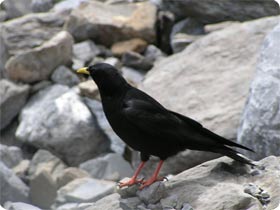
(56, 119)
(107, 24)
(210, 79)
(37, 64)
(208, 11)
(12, 98)
(260, 125)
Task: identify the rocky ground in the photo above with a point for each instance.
(215, 61)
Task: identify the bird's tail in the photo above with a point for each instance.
(235, 155)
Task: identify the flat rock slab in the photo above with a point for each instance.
(84, 190)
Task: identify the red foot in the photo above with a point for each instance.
(130, 182)
(151, 181)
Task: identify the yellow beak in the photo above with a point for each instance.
(83, 70)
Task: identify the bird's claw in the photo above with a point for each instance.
(130, 182)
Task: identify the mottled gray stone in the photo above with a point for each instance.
(12, 99)
(260, 123)
(10, 155)
(84, 190)
(65, 76)
(17, 8)
(37, 64)
(50, 120)
(15, 189)
(110, 202)
(109, 167)
(43, 189)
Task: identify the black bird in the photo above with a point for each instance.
(146, 126)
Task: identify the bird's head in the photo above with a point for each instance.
(107, 78)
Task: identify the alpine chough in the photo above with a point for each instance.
(146, 126)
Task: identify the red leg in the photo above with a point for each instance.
(133, 179)
(154, 177)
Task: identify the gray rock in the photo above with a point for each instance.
(153, 193)
(84, 190)
(128, 192)
(133, 76)
(188, 26)
(209, 28)
(4, 54)
(219, 184)
(50, 121)
(16, 8)
(258, 193)
(153, 53)
(19, 206)
(43, 189)
(260, 124)
(106, 24)
(109, 167)
(69, 174)
(40, 85)
(12, 98)
(67, 5)
(208, 11)
(110, 202)
(180, 41)
(37, 64)
(30, 31)
(187, 206)
(10, 156)
(184, 33)
(117, 145)
(41, 5)
(8, 137)
(130, 203)
(65, 76)
(187, 85)
(15, 189)
(137, 61)
(3, 15)
(43, 160)
(74, 206)
(85, 51)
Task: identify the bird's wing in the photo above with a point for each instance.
(151, 118)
